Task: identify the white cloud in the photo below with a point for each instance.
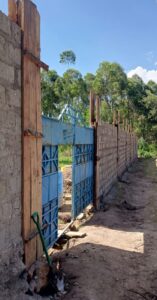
(145, 74)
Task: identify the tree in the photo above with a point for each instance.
(89, 80)
(136, 90)
(110, 83)
(71, 88)
(152, 86)
(135, 100)
(67, 57)
(50, 100)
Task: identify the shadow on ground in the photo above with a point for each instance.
(118, 257)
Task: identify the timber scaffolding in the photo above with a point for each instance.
(115, 145)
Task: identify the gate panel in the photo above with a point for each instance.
(58, 133)
(50, 193)
(83, 157)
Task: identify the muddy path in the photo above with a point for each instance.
(118, 257)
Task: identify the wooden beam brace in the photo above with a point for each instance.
(35, 59)
(30, 132)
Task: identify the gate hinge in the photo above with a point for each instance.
(35, 59)
(30, 132)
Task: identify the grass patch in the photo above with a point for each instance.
(65, 155)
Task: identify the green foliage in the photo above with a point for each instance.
(136, 101)
(152, 86)
(89, 80)
(110, 83)
(67, 57)
(50, 100)
(72, 90)
(147, 150)
(65, 155)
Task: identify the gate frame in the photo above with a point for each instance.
(74, 135)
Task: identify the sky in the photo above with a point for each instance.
(123, 31)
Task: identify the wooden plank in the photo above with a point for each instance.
(96, 201)
(97, 109)
(29, 20)
(12, 10)
(92, 118)
(39, 141)
(119, 118)
(37, 61)
(114, 117)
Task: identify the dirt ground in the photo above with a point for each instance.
(118, 257)
(117, 260)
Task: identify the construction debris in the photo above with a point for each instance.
(72, 234)
(80, 216)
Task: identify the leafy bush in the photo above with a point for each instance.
(147, 150)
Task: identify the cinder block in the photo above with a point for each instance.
(12, 184)
(18, 78)
(2, 96)
(5, 24)
(6, 213)
(3, 189)
(6, 73)
(16, 34)
(13, 97)
(2, 47)
(2, 143)
(14, 55)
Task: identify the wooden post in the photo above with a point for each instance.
(12, 10)
(97, 109)
(114, 117)
(96, 158)
(118, 139)
(92, 118)
(119, 119)
(126, 125)
(29, 20)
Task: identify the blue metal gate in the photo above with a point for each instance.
(57, 133)
(50, 193)
(83, 155)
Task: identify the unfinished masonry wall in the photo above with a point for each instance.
(116, 150)
(10, 144)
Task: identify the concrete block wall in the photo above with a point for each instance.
(107, 158)
(116, 150)
(121, 151)
(10, 145)
(128, 142)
